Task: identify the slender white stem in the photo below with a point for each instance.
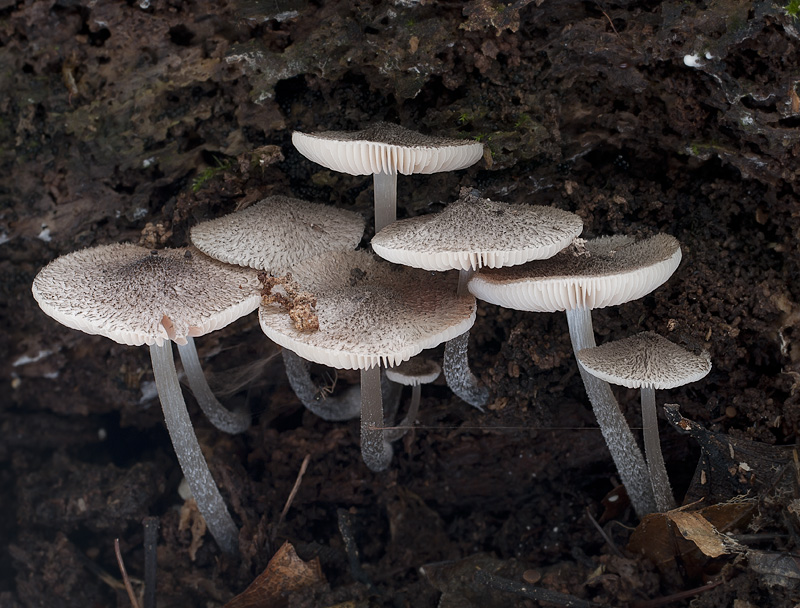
(217, 414)
(328, 407)
(458, 375)
(385, 186)
(410, 418)
(662, 490)
(187, 449)
(463, 278)
(375, 450)
(620, 441)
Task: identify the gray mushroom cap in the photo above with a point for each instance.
(370, 312)
(277, 232)
(644, 360)
(606, 271)
(386, 148)
(474, 232)
(137, 296)
(417, 370)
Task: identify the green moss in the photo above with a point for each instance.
(793, 8)
(204, 177)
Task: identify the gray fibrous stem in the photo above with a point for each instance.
(458, 375)
(187, 449)
(665, 501)
(332, 408)
(620, 441)
(222, 418)
(375, 450)
(385, 187)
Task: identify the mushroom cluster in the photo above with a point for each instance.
(326, 302)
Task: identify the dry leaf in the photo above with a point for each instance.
(191, 519)
(661, 538)
(698, 529)
(285, 573)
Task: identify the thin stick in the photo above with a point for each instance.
(292, 494)
(682, 595)
(125, 579)
(612, 545)
(150, 561)
(534, 593)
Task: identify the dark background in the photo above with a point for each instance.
(131, 121)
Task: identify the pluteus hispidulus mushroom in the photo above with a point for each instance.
(383, 150)
(135, 296)
(369, 314)
(601, 272)
(648, 362)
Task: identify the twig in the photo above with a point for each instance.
(150, 560)
(682, 595)
(534, 593)
(125, 579)
(614, 549)
(289, 500)
(345, 522)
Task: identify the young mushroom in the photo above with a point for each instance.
(648, 362)
(272, 235)
(591, 274)
(469, 234)
(383, 150)
(414, 373)
(366, 313)
(136, 296)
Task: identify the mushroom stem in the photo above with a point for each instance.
(620, 441)
(410, 417)
(464, 275)
(375, 450)
(652, 449)
(458, 375)
(221, 417)
(385, 187)
(195, 469)
(344, 407)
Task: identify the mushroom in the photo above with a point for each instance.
(383, 150)
(135, 296)
(272, 235)
(414, 373)
(368, 313)
(469, 234)
(648, 362)
(591, 274)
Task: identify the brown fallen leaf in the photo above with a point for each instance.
(696, 528)
(285, 573)
(693, 537)
(191, 519)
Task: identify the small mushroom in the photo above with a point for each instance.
(135, 296)
(369, 313)
(384, 150)
(272, 235)
(414, 373)
(591, 274)
(648, 362)
(469, 234)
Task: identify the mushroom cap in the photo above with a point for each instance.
(278, 232)
(606, 272)
(474, 232)
(370, 312)
(644, 360)
(417, 370)
(386, 148)
(136, 296)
